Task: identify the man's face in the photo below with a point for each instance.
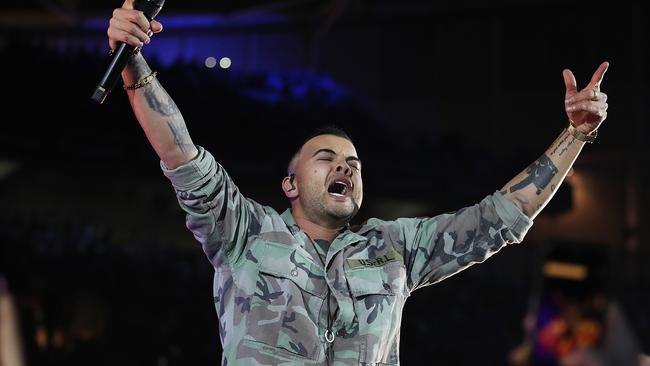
(328, 177)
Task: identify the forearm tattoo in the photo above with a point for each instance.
(159, 101)
(157, 98)
(562, 144)
(540, 173)
(138, 66)
(181, 135)
(162, 103)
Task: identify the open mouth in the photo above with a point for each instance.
(340, 187)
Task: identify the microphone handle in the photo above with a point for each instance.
(119, 59)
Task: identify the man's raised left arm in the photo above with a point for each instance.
(534, 187)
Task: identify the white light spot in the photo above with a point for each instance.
(225, 62)
(210, 62)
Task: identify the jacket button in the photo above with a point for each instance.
(294, 272)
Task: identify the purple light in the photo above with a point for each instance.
(193, 21)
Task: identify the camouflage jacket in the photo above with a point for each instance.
(274, 297)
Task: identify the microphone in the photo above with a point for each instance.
(120, 57)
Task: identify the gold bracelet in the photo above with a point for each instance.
(141, 83)
(588, 138)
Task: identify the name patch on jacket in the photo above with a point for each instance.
(390, 256)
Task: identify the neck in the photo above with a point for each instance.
(314, 229)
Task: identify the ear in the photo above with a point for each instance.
(289, 187)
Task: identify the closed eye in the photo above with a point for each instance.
(354, 162)
(353, 165)
(329, 155)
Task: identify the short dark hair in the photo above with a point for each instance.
(325, 130)
(328, 130)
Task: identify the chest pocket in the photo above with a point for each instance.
(378, 296)
(289, 291)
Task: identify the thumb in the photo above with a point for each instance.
(128, 4)
(569, 82)
(156, 26)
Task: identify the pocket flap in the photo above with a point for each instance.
(294, 264)
(385, 280)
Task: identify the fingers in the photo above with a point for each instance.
(587, 94)
(121, 30)
(128, 4)
(156, 26)
(569, 82)
(589, 105)
(131, 27)
(597, 108)
(597, 78)
(133, 16)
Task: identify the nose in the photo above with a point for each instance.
(344, 168)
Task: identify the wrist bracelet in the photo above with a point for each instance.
(146, 80)
(588, 138)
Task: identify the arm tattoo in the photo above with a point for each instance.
(139, 66)
(539, 173)
(160, 101)
(559, 142)
(181, 135)
(157, 98)
(566, 147)
(562, 143)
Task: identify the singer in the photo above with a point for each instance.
(304, 287)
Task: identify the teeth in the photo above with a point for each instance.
(340, 188)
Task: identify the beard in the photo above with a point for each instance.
(344, 212)
(321, 209)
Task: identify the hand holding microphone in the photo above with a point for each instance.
(130, 27)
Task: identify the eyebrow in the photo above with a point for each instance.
(330, 151)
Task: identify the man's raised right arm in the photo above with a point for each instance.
(155, 110)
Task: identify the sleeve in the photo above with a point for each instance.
(438, 247)
(218, 215)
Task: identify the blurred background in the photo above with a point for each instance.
(446, 101)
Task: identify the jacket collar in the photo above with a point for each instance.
(346, 238)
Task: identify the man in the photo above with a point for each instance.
(303, 287)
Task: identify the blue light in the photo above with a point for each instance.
(194, 21)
